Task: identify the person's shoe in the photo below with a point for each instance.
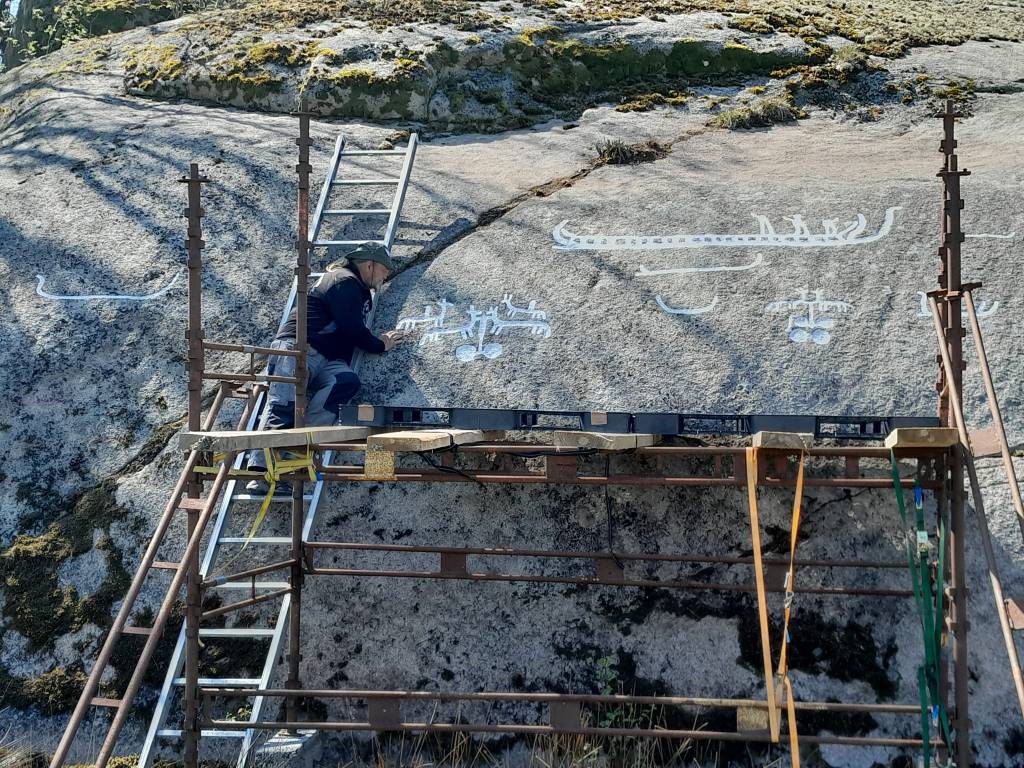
(259, 486)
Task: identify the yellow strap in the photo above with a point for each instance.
(787, 610)
(794, 532)
(794, 742)
(762, 605)
(276, 467)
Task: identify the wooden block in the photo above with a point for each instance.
(985, 442)
(429, 439)
(270, 438)
(379, 464)
(602, 441)
(922, 437)
(751, 719)
(1015, 612)
(790, 441)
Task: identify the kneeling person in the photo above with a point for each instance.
(338, 305)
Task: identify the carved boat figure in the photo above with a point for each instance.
(800, 237)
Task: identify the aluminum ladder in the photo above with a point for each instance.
(173, 679)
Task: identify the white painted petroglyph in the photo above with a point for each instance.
(694, 311)
(428, 318)
(40, 280)
(981, 307)
(801, 236)
(996, 237)
(479, 324)
(530, 311)
(645, 272)
(806, 321)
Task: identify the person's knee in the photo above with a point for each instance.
(346, 385)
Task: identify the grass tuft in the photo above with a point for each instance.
(615, 152)
(760, 114)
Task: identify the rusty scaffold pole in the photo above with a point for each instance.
(296, 575)
(951, 294)
(193, 490)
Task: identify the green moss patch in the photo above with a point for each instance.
(38, 607)
(152, 66)
(762, 113)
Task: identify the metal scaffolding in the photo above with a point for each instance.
(464, 451)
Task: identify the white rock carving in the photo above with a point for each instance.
(800, 237)
(40, 280)
(479, 325)
(694, 311)
(806, 321)
(982, 308)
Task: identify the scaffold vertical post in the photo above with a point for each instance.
(193, 589)
(950, 283)
(303, 169)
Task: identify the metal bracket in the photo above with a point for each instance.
(565, 715)
(384, 714)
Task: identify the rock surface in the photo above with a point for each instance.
(96, 388)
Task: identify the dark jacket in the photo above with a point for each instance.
(339, 303)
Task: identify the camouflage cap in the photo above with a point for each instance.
(371, 251)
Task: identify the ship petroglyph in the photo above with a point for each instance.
(682, 311)
(801, 236)
(807, 321)
(479, 324)
(40, 281)
(645, 272)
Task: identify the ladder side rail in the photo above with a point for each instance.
(399, 198)
(979, 507)
(325, 192)
(997, 416)
(128, 605)
(269, 664)
(159, 718)
(178, 580)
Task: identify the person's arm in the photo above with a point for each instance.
(345, 300)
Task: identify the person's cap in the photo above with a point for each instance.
(372, 252)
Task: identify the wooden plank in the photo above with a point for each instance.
(271, 438)
(922, 437)
(602, 441)
(429, 439)
(791, 441)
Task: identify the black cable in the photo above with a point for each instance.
(448, 470)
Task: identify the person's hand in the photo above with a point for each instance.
(390, 339)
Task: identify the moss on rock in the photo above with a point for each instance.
(36, 604)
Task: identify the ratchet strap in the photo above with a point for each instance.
(762, 604)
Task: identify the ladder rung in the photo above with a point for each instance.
(362, 182)
(268, 540)
(329, 243)
(187, 503)
(256, 497)
(359, 212)
(247, 585)
(164, 565)
(137, 631)
(223, 682)
(172, 733)
(236, 632)
(354, 152)
(112, 703)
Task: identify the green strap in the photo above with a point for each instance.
(930, 608)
